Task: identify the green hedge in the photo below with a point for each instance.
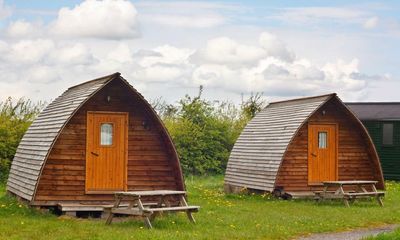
(15, 118)
(204, 132)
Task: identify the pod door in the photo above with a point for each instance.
(322, 153)
(106, 152)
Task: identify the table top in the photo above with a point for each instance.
(355, 182)
(151, 193)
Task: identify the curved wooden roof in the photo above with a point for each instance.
(258, 153)
(39, 139)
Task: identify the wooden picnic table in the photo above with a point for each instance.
(148, 211)
(359, 191)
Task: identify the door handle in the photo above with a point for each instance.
(313, 154)
(94, 154)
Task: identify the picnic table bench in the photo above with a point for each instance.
(136, 207)
(360, 191)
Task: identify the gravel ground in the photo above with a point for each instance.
(351, 235)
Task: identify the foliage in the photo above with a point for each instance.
(204, 132)
(221, 216)
(15, 118)
(253, 105)
(387, 236)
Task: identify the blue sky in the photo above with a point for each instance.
(168, 48)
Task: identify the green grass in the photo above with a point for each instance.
(221, 217)
(387, 236)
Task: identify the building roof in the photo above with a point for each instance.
(257, 154)
(39, 139)
(375, 110)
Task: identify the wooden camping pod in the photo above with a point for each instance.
(96, 138)
(295, 145)
(382, 120)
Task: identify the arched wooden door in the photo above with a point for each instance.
(106, 152)
(322, 153)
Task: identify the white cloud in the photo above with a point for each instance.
(21, 28)
(185, 6)
(361, 16)
(371, 23)
(279, 73)
(29, 51)
(224, 50)
(71, 54)
(122, 54)
(187, 21)
(275, 47)
(37, 57)
(40, 74)
(312, 14)
(110, 19)
(163, 63)
(187, 14)
(166, 54)
(5, 11)
(159, 73)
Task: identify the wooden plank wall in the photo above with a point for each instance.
(151, 162)
(389, 155)
(354, 159)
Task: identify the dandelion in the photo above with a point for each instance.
(20, 206)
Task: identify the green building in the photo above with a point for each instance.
(382, 119)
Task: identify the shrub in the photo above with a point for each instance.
(15, 118)
(204, 132)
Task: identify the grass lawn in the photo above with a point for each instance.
(387, 236)
(221, 217)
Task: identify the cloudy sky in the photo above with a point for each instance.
(168, 48)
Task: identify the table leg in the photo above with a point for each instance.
(188, 213)
(111, 216)
(147, 221)
(160, 202)
(341, 192)
(378, 198)
(147, 216)
(324, 192)
(346, 202)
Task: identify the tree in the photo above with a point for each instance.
(15, 118)
(252, 105)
